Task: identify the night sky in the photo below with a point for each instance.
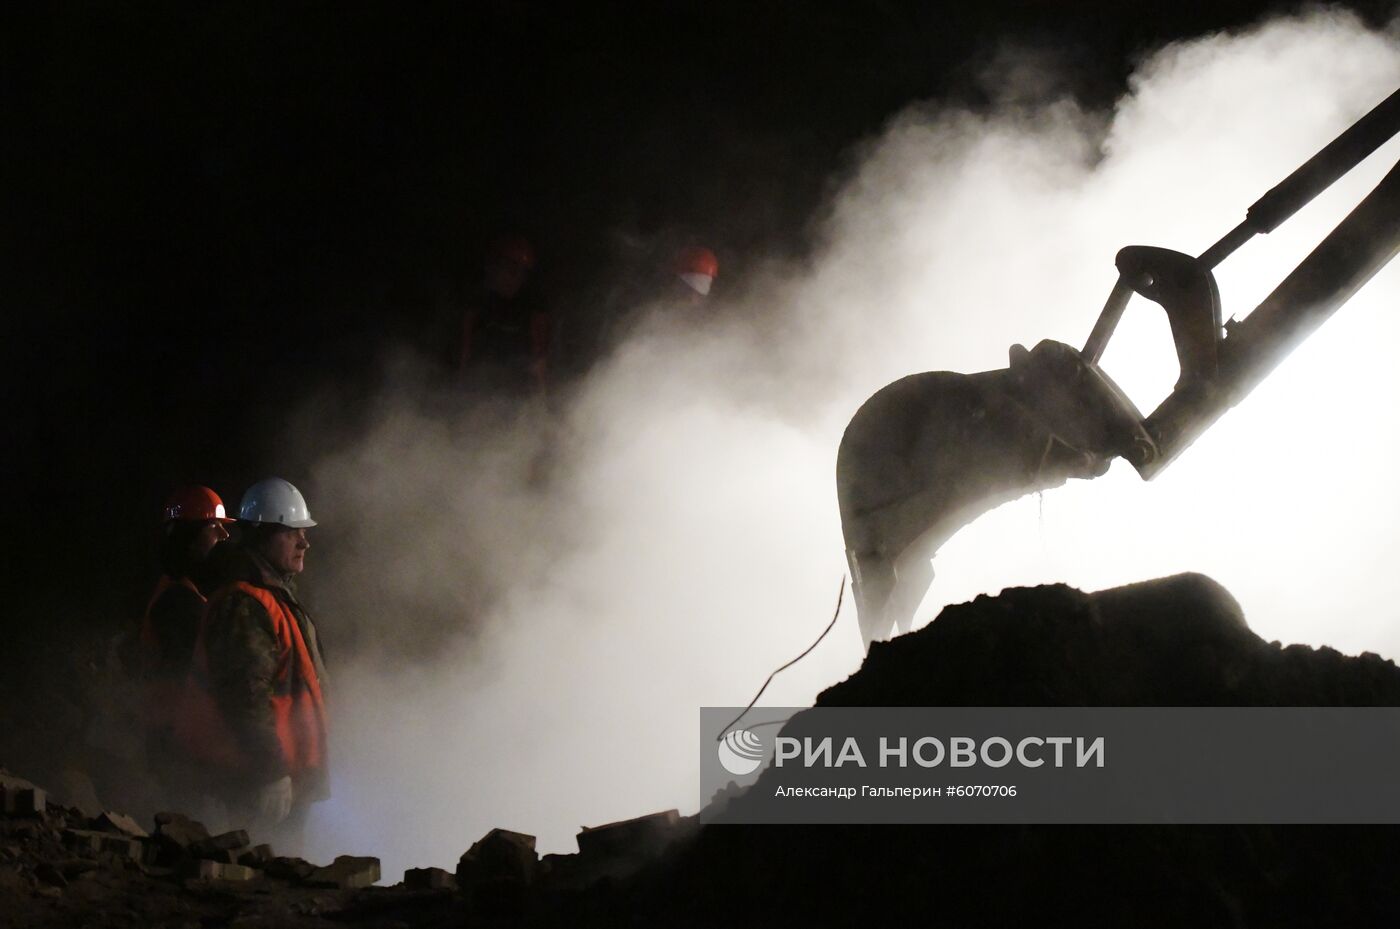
(216, 208)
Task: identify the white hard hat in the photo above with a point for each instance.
(273, 500)
(700, 283)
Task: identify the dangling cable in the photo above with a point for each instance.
(840, 595)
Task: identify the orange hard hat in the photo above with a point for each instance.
(195, 504)
(697, 259)
(513, 249)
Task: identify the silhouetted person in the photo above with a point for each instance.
(194, 525)
(506, 338)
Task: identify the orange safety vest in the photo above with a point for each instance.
(162, 693)
(298, 707)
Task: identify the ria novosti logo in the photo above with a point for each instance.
(741, 752)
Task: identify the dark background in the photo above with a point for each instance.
(216, 208)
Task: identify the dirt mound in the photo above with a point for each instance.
(1176, 641)
(1172, 642)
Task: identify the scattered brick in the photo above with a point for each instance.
(92, 843)
(23, 798)
(429, 879)
(644, 835)
(120, 822)
(205, 870)
(289, 869)
(346, 872)
(256, 857)
(178, 831)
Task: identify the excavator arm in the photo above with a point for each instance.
(931, 452)
(1220, 366)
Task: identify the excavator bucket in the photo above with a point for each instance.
(933, 451)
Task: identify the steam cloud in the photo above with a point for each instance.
(532, 655)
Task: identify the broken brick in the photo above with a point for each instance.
(429, 879)
(501, 854)
(120, 822)
(178, 831)
(256, 857)
(346, 872)
(83, 841)
(124, 847)
(9, 782)
(217, 848)
(289, 869)
(644, 835)
(495, 874)
(24, 800)
(175, 834)
(92, 843)
(205, 870)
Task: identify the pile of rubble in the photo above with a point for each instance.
(60, 867)
(1177, 641)
(502, 876)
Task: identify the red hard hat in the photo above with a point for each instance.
(195, 504)
(697, 259)
(513, 249)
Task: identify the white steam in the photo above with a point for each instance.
(687, 542)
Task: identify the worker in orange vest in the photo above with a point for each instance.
(194, 524)
(254, 713)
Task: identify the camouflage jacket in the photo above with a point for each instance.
(242, 653)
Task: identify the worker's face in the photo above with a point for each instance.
(285, 550)
(209, 535)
